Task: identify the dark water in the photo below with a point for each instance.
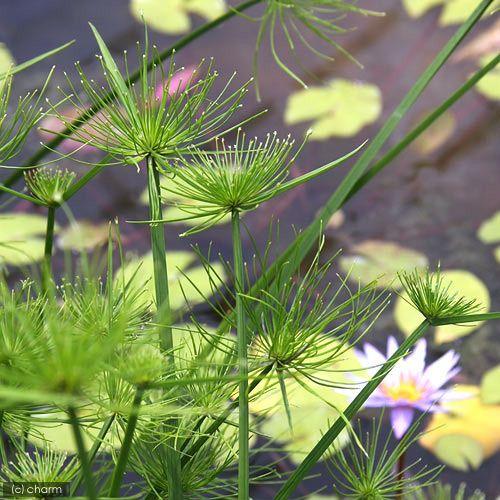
(433, 204)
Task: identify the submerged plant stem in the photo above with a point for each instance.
(400, 473)
(121, 464)
(243, 427)
(82, 454)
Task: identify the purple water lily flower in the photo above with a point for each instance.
(410, 385)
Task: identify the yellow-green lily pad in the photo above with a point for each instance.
(6, 59)
(380, 260)
(460, 452)
(457, 11)
(21, 238)
(489, 230)
(490, 386)
(417, 8)
(464, 283)
(83, 235)
(467, 417)
(180, 275)
(341, 108)
(489, 85)
(173, 16)
(436, 135)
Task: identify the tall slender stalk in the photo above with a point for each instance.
(94, 450)
(49, 244)
(82, 454)
(243, 428)
(117, 478)
(159, 259)
(164, 313)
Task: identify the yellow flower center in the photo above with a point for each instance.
(407, 390)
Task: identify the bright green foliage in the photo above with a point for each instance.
(440, 491)
(6, 59)
(143, 124)
(48, 185)
(371, 473)
(341, 108)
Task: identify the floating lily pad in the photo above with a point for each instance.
(380, 260)
(489, 85)
(460, 452)
(417, 8)
(339, 109)
(83, 236)
(490, 386)
(464, 283)
(180, 272)
(457, 11)
(489, 230)
(173, 16)
(476, 424)
(6, 59)
(21, 238)
(436, 135)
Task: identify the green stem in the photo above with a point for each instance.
(159, 260)
(470, 318)
(400, 474)
(110, 97)
(333, 432)
(164, 314)
(82, 454)
(49, 244)
(121, 464)
(94, 450)
(243, 417)
(3, 453)
(422, 127)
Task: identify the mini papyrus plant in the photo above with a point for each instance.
(170, 401)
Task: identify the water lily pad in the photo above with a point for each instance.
(490, 386)
(457, 11)
(460, 452)
(6, 59)
(83, 236)
(497, 254)
(339, 109)
(173, 16)
(417, 8)
(489, 230)
(21, 238)
(180, 273)
(463, 283)
(468, 418)
(436, 135)
(489, 85)
(380, 260)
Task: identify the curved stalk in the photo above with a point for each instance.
(82, 454)
(243, 427)
(117, 478)
(110, 97)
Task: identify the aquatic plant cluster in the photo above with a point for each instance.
(150, 391)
